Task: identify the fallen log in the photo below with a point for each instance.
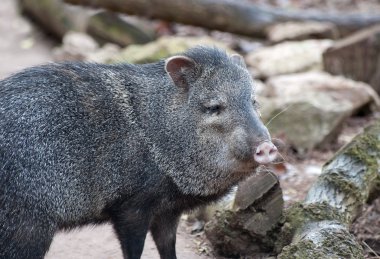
(109, 27)
(239, 17)
(319, 225)
(57, 18)
(54, 16)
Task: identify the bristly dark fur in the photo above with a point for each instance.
(87, 143)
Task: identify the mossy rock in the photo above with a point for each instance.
(162, 48)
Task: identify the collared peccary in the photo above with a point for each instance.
(135, 145)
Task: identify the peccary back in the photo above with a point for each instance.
(135, 145)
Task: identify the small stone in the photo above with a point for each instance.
(75, 46)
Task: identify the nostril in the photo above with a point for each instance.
(265, 153)
(273, 150)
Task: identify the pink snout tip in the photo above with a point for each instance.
(266, 152)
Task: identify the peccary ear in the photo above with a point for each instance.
(180, 68)
(238, 60)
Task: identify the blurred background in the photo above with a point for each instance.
(315, 63)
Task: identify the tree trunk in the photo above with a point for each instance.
(320, 224)
(238, 17)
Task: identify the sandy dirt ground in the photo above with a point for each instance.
(100, 243)
(21, 46)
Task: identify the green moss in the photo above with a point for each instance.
(302, 250)
(335, 245)
(340, 244)
(341, 182)
(301, 213)
(223, 220)
(366, 149)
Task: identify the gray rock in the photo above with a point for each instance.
(287, 58)
(301, 31)
(259, 86)
(308, 109)
(75, 46)
(81, 46)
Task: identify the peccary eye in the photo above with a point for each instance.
(255, 104)
(214, 109)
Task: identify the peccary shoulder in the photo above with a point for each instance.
(135, 145)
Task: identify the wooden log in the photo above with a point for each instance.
(319, 225)
(249, 228)
(54, 16)
(239, 17)
(357, 57)
(109, 27)
(57, 18)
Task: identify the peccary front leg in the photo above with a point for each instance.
(163, 229)
(131, 228)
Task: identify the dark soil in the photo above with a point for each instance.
(367, 229)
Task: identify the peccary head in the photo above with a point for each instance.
(210, 135)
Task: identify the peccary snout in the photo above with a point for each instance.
(266, 152)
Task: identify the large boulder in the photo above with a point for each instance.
(162, 48)
(308, 109)
(288, 57)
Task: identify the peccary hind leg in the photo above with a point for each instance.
(163, 229)
(23, 238)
